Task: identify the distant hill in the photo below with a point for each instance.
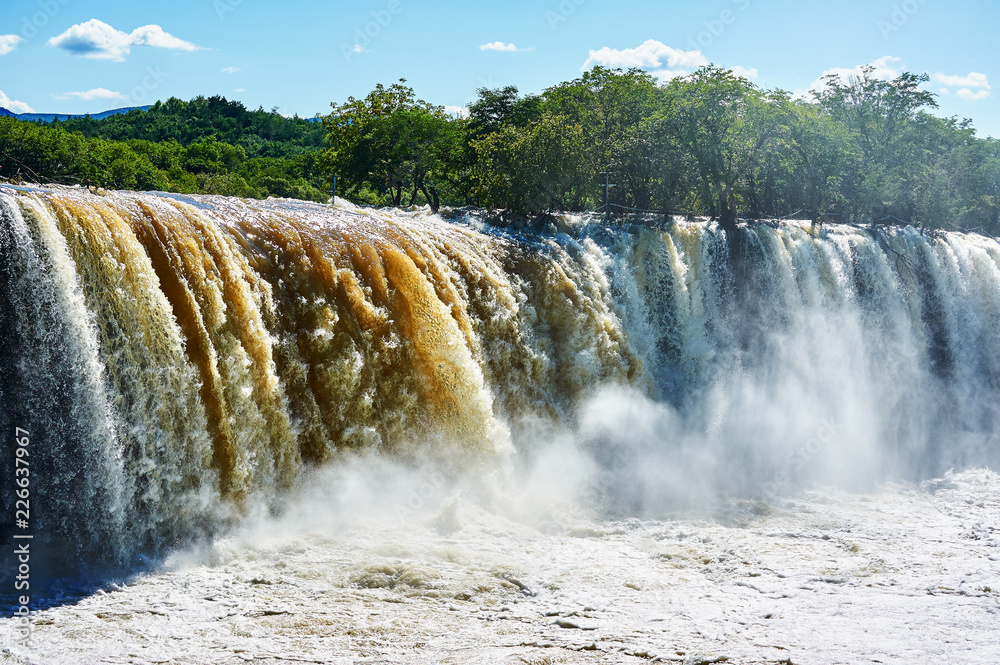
(208, 145)
(260, 133)
(51, 117)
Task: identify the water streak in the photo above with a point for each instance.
(176, 357)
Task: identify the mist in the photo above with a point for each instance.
(305, 366)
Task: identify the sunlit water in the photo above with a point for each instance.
(277, 431)
(905, 574)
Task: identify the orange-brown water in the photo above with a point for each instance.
(180, 360)
(248, 339)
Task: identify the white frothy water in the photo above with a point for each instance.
(377, 562)
(639, 445)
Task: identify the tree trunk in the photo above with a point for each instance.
(431, 197)
(727, 207)
(814, 201)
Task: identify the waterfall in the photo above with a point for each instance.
(177, 357)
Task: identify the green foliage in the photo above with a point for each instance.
(502, 107)
(711, 142)
(615, 111)
(720, 119)
(879, 120)
(392, 143)
(260, 133)
(540, 166)
(209, 145)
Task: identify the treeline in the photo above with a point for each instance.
(207, 145)
(708, 143)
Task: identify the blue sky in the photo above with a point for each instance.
(72, 56)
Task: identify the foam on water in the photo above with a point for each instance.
(200, 374)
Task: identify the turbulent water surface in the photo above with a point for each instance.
(278, 431)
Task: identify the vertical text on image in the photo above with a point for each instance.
(22, 536)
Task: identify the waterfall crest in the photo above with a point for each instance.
(172, 354)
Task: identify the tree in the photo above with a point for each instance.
(711, 114)
(862, 149)
(615, 109)
(876, 114)
(391, 142)
(497, 108)
(820, 153)
(528, 169)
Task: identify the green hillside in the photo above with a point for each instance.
(208, 145)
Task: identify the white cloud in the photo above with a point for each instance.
(973, 80)
(651, 54)
(14, 105)
(8, 43)
(886, 69)
(230, 70)
(497, 46)
(94, 39)
(459, 111)
(154, 35)
(974, 86)
(240, 90)
(97, 39)
(96, 93)
(662, 61)
(500, 46)
(750, 74)
(975, 96)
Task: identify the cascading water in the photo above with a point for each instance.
(176, 358)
